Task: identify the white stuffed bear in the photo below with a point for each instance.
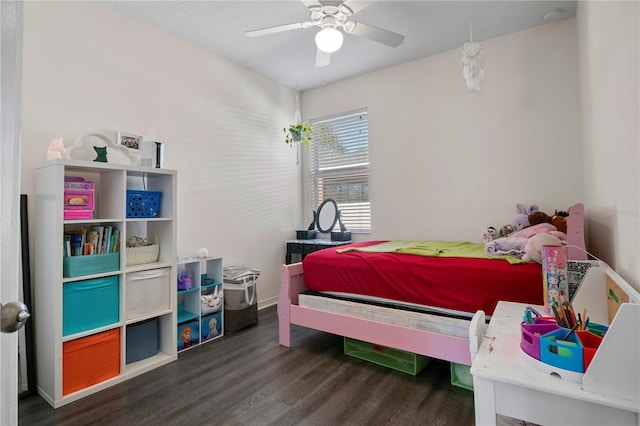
(533, 247)
(489, 235)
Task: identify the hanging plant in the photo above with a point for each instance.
(298, 133)
(326, 136)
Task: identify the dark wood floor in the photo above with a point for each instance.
(246, 378)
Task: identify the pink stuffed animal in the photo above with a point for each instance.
(533, 247)
(541, 228)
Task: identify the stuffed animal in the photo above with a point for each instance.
(505, 231)
(185, 282)
(522, 219)
(538, 217)
(541, 228)
(489, 235)
(559, 220)
(533, 247)
(212, 302)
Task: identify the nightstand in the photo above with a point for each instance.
(302, 248)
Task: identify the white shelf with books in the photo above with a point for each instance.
(105, 320)
(200, 301)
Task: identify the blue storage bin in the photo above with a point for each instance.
(142, 340)
(188, 334)
(566, 354)
(77, 266)
(143, 203)
(211, 327)
(89, 304)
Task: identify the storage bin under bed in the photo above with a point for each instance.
(397, 359)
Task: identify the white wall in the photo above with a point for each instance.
(609, 38)
(88, 68)
(447, 162)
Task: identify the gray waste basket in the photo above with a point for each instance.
(240, 297)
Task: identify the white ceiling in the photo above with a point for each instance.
(429, 27)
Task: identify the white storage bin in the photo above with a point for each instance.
(148, 293)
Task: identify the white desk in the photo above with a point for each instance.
(505, 384)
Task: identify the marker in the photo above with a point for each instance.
(566, 336)
(580, 322)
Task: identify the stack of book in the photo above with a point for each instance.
(97, 239)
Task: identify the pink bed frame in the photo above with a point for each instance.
(428, 343)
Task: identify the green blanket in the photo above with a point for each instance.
(432, 248)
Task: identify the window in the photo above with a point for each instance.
(339, 167)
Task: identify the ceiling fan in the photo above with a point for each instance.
(331, 16)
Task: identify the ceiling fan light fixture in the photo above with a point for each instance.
(329, 39)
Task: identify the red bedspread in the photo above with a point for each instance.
(447, 282)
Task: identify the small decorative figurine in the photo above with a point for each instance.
(56, 149)
(102, 154)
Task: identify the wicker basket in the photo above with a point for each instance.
(143, 254)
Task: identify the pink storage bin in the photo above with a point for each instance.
(530, 336)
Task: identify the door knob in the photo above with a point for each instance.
(13, 316)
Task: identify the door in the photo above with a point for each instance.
(10, 90)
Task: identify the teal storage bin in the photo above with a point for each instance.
(142, 340)
(89, 304)
(397, 359)
(77, 266)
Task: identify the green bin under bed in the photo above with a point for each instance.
(397, 359)
(461, 376)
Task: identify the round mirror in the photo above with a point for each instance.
(327, 215)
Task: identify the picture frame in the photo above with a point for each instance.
(128, 140)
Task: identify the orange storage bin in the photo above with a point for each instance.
(90, 360)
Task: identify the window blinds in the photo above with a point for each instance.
(339, 167)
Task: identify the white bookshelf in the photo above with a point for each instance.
(111, 184)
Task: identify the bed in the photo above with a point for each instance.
(438, 326)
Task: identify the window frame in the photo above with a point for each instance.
(355, 215)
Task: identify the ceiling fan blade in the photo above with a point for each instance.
(309, 3)
(276, 29)
(357, 5)
(322, 58)
(377, 34)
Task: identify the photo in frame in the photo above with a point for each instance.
(130, 141)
